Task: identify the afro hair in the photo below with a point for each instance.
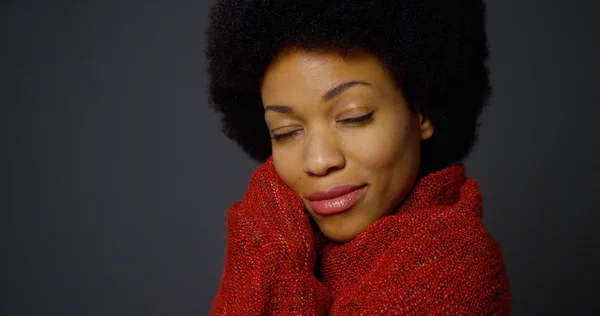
(435, 50)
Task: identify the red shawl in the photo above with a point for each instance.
(433, 256)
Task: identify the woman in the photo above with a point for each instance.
(361, 112)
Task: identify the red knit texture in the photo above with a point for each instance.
(432, 256)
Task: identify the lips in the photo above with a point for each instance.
(336, 200)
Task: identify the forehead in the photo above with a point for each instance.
(300, 74)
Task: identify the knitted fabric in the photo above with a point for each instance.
(432, 256)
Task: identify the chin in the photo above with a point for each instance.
(343, 227)
(340, 235)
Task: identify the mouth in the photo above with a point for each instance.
(336, 200)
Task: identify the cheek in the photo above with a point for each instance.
(288, 165)
(383, 146)
(388, 158)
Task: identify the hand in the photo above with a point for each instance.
(274, 219)
(270, 254)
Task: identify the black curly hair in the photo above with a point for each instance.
(435, 50)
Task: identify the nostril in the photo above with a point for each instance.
(322, 167)
(322, 154)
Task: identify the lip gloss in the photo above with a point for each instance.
(332, 202)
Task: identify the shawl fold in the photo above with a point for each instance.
(432, 256)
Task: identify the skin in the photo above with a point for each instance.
(316, 147)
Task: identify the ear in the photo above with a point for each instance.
(426, 127)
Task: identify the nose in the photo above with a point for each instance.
(322, 153)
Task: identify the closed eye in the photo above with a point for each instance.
(284, 136)
(358, 119)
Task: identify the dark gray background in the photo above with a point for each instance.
(117, 178)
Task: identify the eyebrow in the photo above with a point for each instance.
(341, 88)
(279, 109)
(284, 109)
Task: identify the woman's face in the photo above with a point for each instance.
(343, 137)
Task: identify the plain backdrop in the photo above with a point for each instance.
(116, 176)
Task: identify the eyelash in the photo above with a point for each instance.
(359, 119)
(352, 120)
(285, 135)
